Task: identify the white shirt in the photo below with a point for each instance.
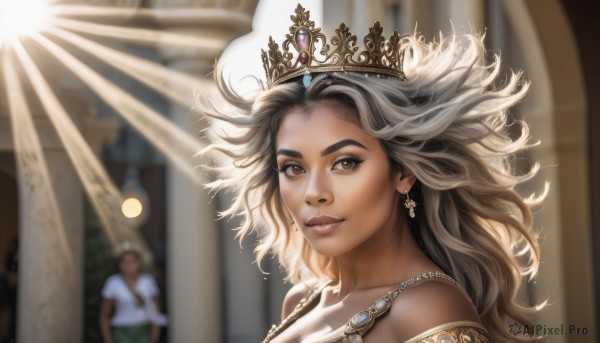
(127, 311)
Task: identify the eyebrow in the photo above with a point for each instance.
(330, 149)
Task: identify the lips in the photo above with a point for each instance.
(321, 220)
(323, 224)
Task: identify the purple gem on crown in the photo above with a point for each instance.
(302, 38)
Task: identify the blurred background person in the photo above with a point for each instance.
(129, 311)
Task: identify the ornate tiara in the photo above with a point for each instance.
(380, 57)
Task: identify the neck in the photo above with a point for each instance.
(387, 259)
(129, 277)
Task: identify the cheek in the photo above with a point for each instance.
(291, 195)
(371, 194)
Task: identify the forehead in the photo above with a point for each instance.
(321, 124)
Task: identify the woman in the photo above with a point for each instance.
(381, 180)
(133, 298)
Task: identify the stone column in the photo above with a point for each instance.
(50, 284)
(194, 296)
(465, 15)
(194, 266)
(50, 274)
(246, 290)
(431, 16)
(420, 14)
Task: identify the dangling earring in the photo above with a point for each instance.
(410, 204)
(294, 226)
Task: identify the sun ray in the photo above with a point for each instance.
(176, 144)
(71, 10)
(103, 194)
(206, 46)
(208, 16)
(32, 167)
(160, 79)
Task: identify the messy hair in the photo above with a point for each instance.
(447, 122)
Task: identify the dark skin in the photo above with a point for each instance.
(351, 182)
(129, 267)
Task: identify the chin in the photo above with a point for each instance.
(331, 248)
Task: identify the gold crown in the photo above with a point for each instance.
(380, 57)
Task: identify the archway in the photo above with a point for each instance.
(559, 120)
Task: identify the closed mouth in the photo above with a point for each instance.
(322, 220)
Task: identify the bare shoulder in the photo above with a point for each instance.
(294, 295)
(426, 305)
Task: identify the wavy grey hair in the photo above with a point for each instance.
(448, 123)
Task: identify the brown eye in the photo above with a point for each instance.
(292, 170)
(296, 170)
(347, 164)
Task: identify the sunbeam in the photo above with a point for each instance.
(87, 11)
(206, 46)
(51, 25)
(34, 176)
(176, 144)
(161, 79)
(208, 16)
(103, 194)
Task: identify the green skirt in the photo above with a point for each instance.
(131, 334)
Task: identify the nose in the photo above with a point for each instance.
(318, 190)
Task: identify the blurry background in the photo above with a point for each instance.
(97, 109)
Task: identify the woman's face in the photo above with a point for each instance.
(335, 179)
(129, 264)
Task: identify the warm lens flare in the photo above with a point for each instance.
(132, 208)
(119, 212)
(21, 17)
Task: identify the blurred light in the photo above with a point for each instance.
(21, 17)
(132, 208)
(135, 205)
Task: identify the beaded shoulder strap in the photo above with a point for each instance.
(361, 322)
(364, 320)
(304, 303)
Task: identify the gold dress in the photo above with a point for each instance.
(360, 323)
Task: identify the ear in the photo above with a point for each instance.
(404, 180)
